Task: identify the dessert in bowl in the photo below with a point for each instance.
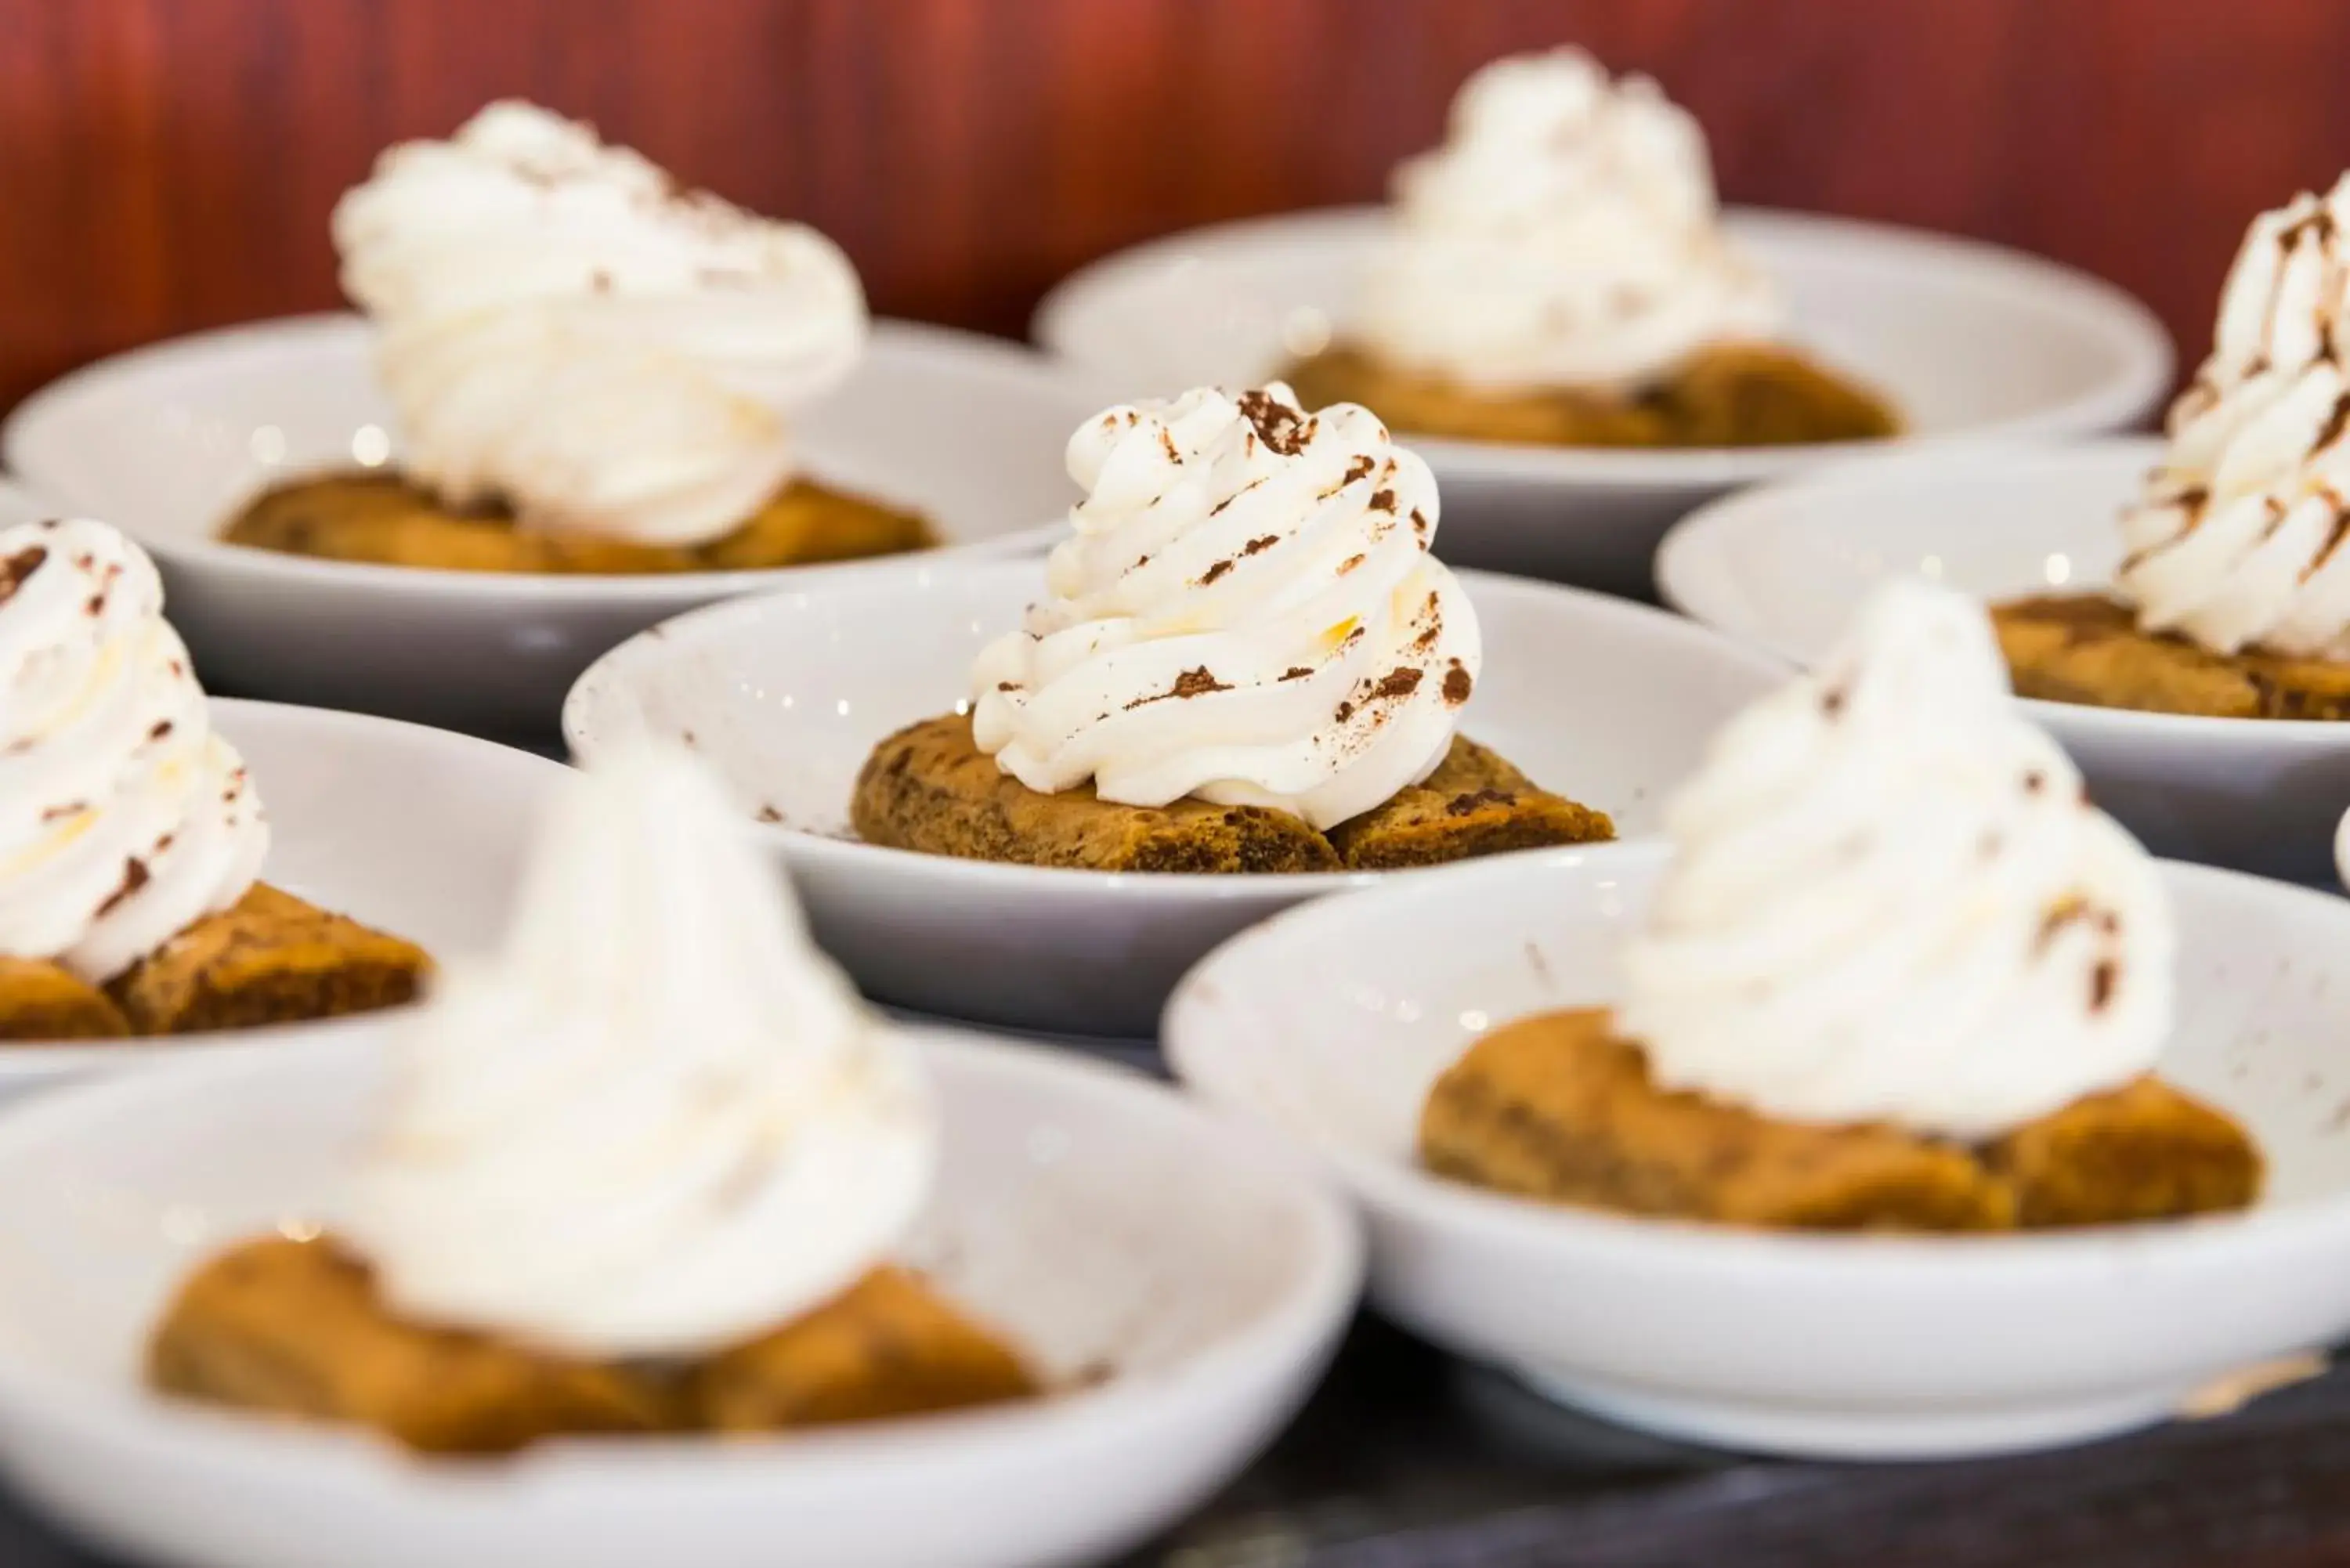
(646, 1207)
(132, 901)
(1554, 302)
(581, 400)
(2191, 658)
(1036, 797)
(1898, 1105)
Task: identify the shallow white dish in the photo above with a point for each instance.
(1605, 701)
(18, 505)
(166, 441)
(413, 830)
(1104, 1223)
(1785, 566)
(1333, 1020)
(1971, 341)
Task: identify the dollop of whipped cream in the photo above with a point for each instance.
(1247, 614)
(123, 818)
(659, 1122)
(2237, 542)
(1565, 235)
(564, 330)
(1890, 900)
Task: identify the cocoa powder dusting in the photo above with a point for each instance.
(17, 567)
(1401, 681)
(1277, 424)
(1457, 684)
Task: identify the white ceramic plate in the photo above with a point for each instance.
(413, 830)
(18, 505)
(1785, 567)
(1104, 1224)
(1332, 1021)
(1602, 700)
(1971, 341)
(167, 441)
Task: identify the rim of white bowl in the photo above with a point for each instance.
(37, 1061)
(1693, 538)
(2141, 345)
(848, 853)
(1314, 1310)
(1694, 1247)
(976, 350)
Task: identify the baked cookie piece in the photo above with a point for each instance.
(298, 1329)
(1473, 803)
(383, 520)
(929, 788)
(44, 1001)
(1738, 394)
(294, 1329)
(2087, 649)
(891, 1346)
(271, 958)
(1558, 1107)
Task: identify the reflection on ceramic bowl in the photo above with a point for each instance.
(1973, 342)
(1195, 1271)
(1332, 1021)
(166, 443)
(1605, 701)
(414, 831)
(1785, 567)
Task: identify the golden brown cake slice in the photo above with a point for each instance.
(1739, 394)
(40, 1000)
(382, 519)
(891, 1346)
(295, 1329)
(931, 788)
(2143, 1151)
(2087, 649)
(1473, 803)
(272, 959)
(1558, 1107)
(298, 1329)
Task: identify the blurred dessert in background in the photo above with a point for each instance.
(644, 1172)
(1901, 974)
(594, 372)
(131, 836)
(1247, 662)
(2233, 601)
(1559, 276)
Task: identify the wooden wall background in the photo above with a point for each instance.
(169, 164)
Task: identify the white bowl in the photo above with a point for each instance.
(18, 505)
(415, 831)
(1602, 700)
(1785, 567)
(165, 443)
(1971, 341)
(1104, 1224)
(1332, 1021)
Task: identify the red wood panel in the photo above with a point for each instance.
(166, 164)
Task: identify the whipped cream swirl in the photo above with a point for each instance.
(1566, 235)
(565, 331)
(1890, 900)
(659, 1122)
(123, 818)
(2237, 541)
(1248, 614)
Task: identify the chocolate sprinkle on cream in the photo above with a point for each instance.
(1255, 547)
(17, 567)
(1457, 684)
(1401, 681)
(134, 877)
(1277, 424)
(1212, 573)
(1296, 672)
